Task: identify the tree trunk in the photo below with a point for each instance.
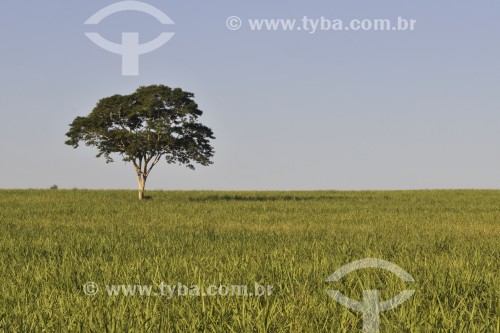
(141, 180)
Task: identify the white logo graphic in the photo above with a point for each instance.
(371, 305)
(130, 49)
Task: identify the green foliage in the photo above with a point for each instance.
(53, 242)
(153, 121)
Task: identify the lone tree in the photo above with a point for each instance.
(153, 123)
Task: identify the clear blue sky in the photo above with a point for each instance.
(291, 110)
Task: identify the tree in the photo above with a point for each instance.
(154, 122)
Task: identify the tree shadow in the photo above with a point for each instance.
(264, 198)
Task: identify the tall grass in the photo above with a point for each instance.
(53, 242)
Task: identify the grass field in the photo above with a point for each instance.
(52, 242)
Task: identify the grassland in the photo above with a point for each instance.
(53, 242)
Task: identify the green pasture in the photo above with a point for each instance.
(53, 242)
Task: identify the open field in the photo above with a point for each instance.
(52, 242)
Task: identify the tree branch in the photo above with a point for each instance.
(156, 160)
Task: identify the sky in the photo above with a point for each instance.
(291, 110)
